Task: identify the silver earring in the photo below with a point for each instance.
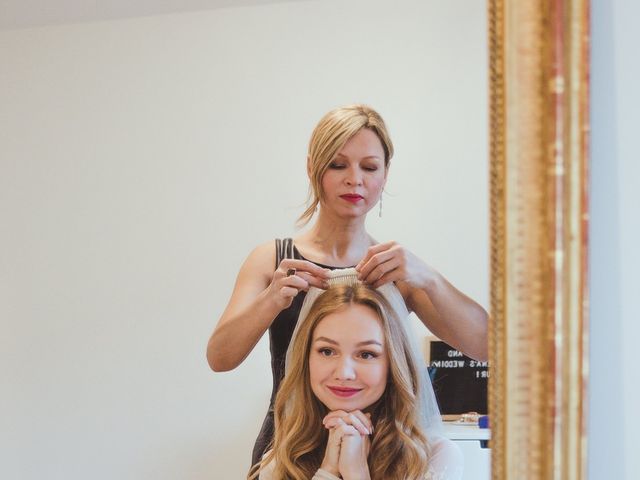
(380, 211)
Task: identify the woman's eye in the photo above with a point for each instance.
(368, 355)
(337, 166)
(370, 169)
(325, 352)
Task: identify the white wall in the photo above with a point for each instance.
(614, 422)
(142, 159)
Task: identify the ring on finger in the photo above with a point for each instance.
(291, 271)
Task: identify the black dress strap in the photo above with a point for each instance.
(284, 249)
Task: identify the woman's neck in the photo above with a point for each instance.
(335, 241)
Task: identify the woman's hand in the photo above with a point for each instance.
(360, 421)
(331, 460)
(293, 276)
(348, 444)
(354, 451)
(391, 262)
(447, 312)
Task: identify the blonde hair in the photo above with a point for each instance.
(399, 448)
(330, 135)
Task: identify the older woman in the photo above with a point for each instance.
(348, 163)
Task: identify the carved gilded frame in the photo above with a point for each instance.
(539, 81)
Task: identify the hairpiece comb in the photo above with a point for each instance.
(343, 276)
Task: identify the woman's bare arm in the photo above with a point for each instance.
(446, 311)
(259, 295)
(452, 316)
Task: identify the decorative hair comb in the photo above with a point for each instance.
(343, 276)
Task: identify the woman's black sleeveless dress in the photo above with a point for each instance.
(280, 333)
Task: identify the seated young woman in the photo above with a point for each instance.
(355, 402)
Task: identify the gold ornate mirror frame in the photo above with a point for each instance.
(539, 82)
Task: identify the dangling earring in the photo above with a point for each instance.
(380, 211)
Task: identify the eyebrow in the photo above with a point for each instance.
(359, 344)
(363, 158)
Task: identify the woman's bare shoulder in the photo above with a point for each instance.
(261, 260)
(264, 252)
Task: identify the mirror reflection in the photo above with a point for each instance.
(144, 158)
(411, 73)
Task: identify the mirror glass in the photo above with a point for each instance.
(423, 66)
(144, 158)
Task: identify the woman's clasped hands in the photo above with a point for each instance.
(348, 444)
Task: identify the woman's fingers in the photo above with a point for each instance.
(335, 438)
(353, 455)
(333, 423)
(312, 280)
(293, 276)
(374, 250)
(303, 266)
(393, 276)
(311, 273)
(332, 452)
(389, 266)
(360, 421)
(365, 418)
(374, 265)
(347, 443)
(295, 281)
(347, 430)
(288, 292)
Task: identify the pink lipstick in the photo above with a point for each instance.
(344, 391)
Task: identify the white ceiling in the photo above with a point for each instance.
(32, 13)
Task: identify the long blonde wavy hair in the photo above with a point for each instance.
(334, 129)
(399, 448)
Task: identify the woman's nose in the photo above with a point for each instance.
(353, 177)
(344, 370)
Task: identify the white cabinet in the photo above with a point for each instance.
(472, 441)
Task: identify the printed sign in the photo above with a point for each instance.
(459, 382)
